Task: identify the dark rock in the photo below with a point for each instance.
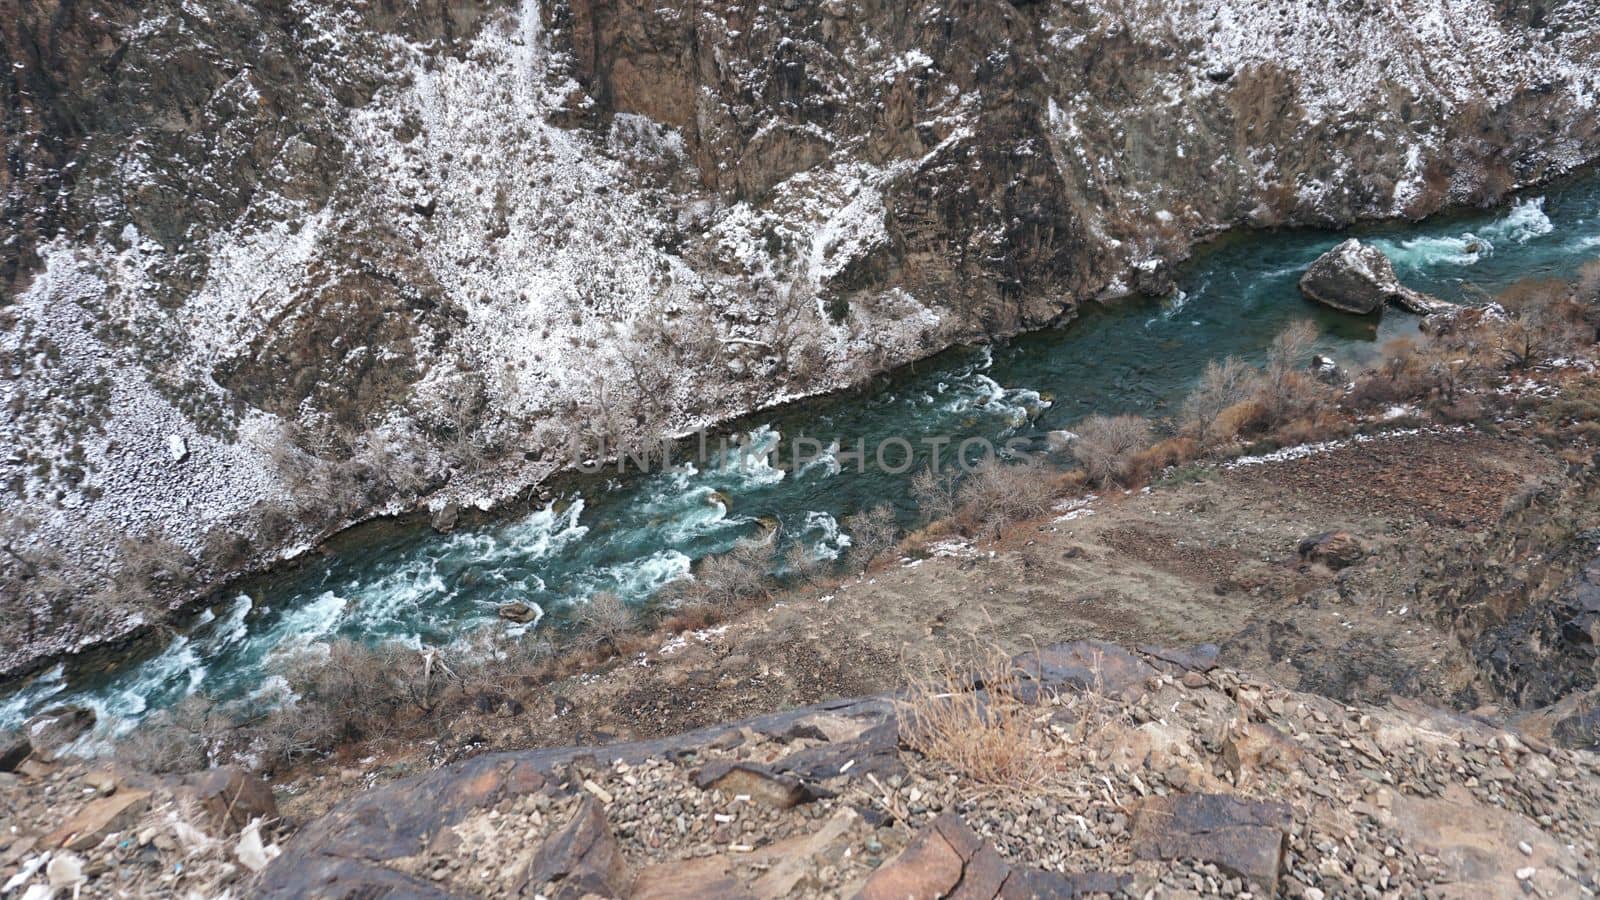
(1199, 658)
(1327, 371)
(518, 612)
(229, 797)
(1033, 884)
(1358, 278)
(876, 751)
(1085, 666)
(1334, 549)
(774, 789)
(580, 860)
(14, 748)
(1153, 278)
(55, 728)
(445, 518)
(1243, 837)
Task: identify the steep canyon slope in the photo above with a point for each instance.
(271, 267)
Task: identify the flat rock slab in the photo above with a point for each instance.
(1243, 837)
(1086, 666)
(100, 818)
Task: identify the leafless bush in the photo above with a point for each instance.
(872, 533)
(936, 493)
(997, 494)
(726, 580)
(1222, 385)
(1286, 390)
(603, 619)
(355, 693)
(184, 738)
(1107, 445)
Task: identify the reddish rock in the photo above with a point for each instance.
(690, 879)
(229, 797)
(101, 817)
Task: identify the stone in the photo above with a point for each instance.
(1032, 884)
(1086, 666)
(1334, 549)
(930, 866)
(1254, 747)
(99, 818)
(579, 860)
(55, 728)
(707, 878)
(518, 612)
(1242, 837)
(1200, 658)
(104, 781)
(229, 798)
(780, 791)
(444, 518)
(1358, 278)
(14, 748)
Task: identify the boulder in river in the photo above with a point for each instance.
(518, 612)
(55, 728)
(1358, 278)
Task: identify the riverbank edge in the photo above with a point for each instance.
(494, 495)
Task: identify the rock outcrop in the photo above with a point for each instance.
(1358, 278)
(1416, 799)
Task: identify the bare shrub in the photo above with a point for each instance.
(1107, 445)
(604, 618)
(1548, 320)
(998, 494)
(727, 580)
(872, 533)
(353, 694)
(1286, 390)
(185, 738)
(1222, 385)
(1165, 454)
(989, 737)
(935, 493)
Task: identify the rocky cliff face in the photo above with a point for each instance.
(273, 266)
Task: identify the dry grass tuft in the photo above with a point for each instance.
(967, 713)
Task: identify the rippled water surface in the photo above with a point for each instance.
(632, 535)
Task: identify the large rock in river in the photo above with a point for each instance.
(1358, 278)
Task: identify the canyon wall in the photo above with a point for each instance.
(275, 266)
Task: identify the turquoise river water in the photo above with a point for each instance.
(634, 534)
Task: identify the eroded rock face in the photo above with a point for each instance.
(1358, 278)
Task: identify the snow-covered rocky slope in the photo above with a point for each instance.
(270, 267)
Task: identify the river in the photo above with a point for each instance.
(633, 534)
